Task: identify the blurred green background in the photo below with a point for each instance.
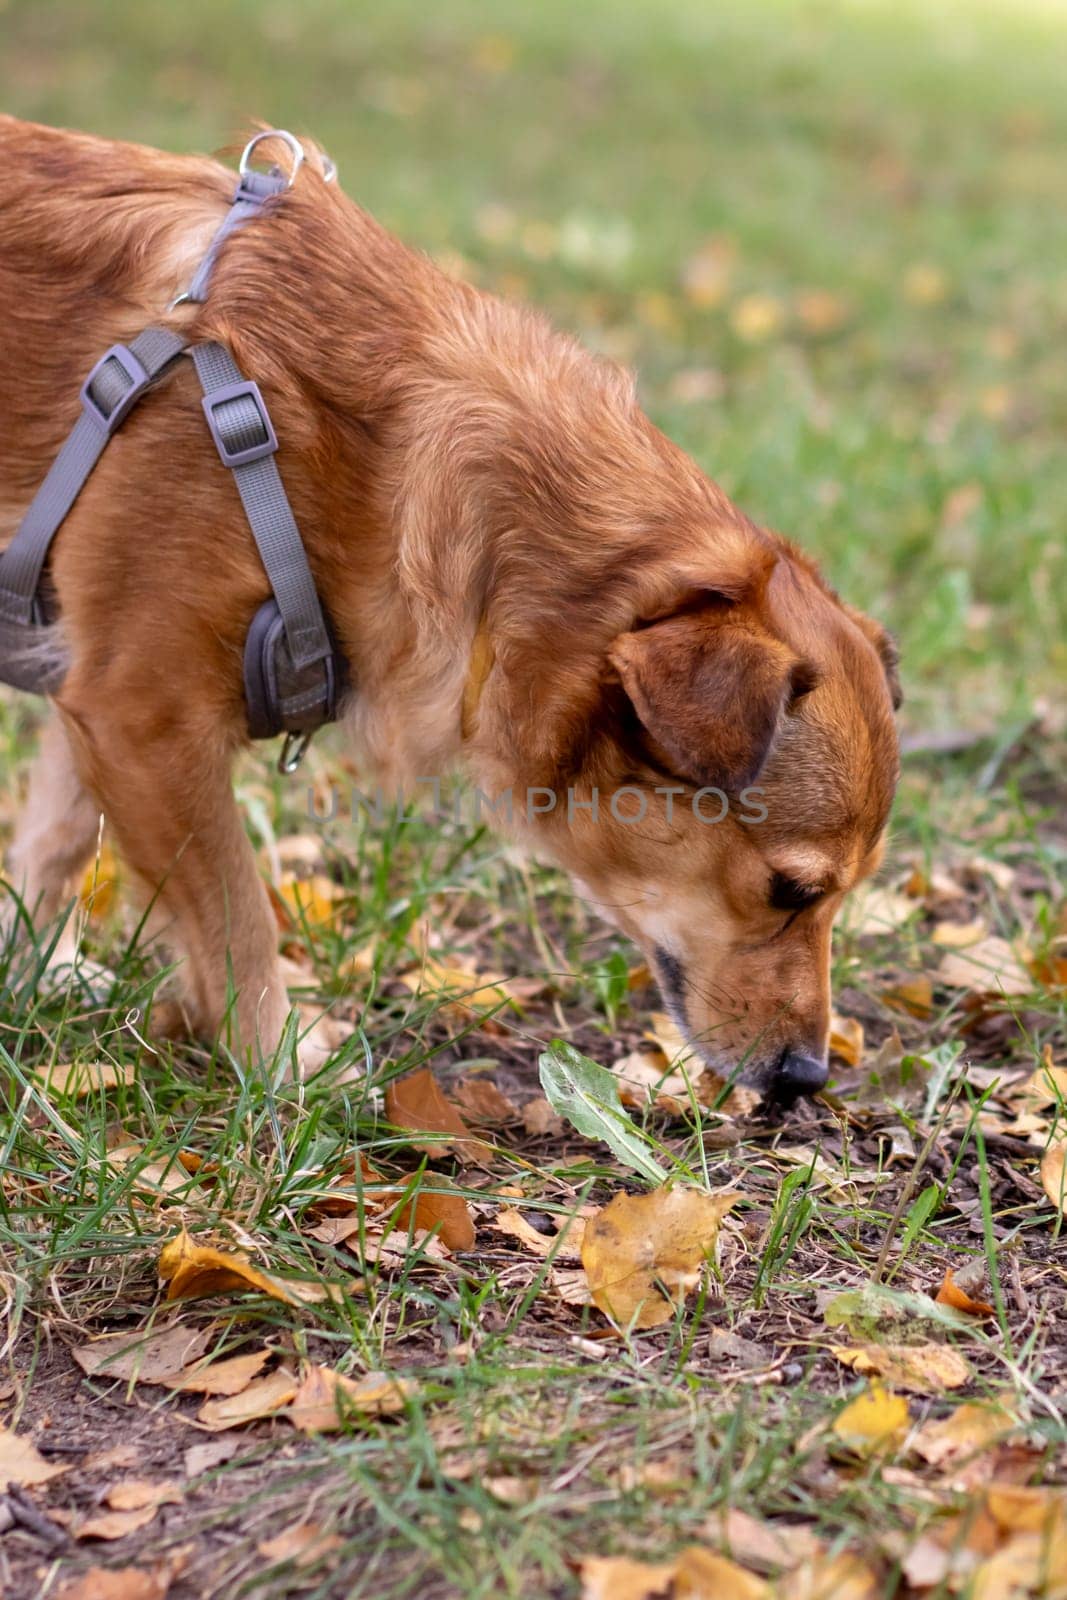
(831, 237)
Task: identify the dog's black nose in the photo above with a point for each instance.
(798, 1074)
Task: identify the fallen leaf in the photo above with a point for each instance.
(100, 880)
(144, 1357)
(303, 1544)
(617, 1578)
(438, 1209)
(539, 1119)
(115, 1524)
(958, 935)
(925, 284)
(192, 1270)
(1045, 1087)
(482, 1102)
(872, 1421)
(312, 901)
(325, 1397)
(820, 311)
(468, 993)
(1018, 1509)
(1054, 1175)
(669, 1039)
(846, 1039)
(587, 1094)
(990, 967)
(22, 1463)
(120, 1583)
(756, 317)
(875, 910)
(642, 1253)
(645, 1078)
(262, 1398)
(841, 1577)
(76, 1079)
(562, 1246)
(970, 1429)
(922, 1368)
(913, 995)
(702, 1575)
(772, 1547)
(416, 1103)
(219, 1377)
(137, 1494)
(201, 1458)
(951, 1294)
(706, 274)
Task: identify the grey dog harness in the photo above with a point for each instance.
(293, 673)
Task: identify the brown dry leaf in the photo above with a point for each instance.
(539, 1120)
(846, 1039)
(115, 1524)
(481, 1101)
(913, 995)
(204, 1457)
(21, 1462)
(1045, 1087)
(645, 1078)
(618, 1578)
(958, 935)
(571, 1284)
(642, 1253)
(303, 1544)
(672, 1043)
(446, 1212)
(820, 311)
(768, 1546)
(842, 1577)
(192, 1270)
(157, 1177)
(1017, 1509)
(876, 910)
(970, 1429)
(469, 993)
(872, 1421)
(951, 1294)
(120, 1583)
(76, 1079)
(416, 1103)
(144, 1357)
(921, 1368)
(262, 1398)
(567, 1247)
(1054, 1175)
(219, 1377)
(990, 967)
(137, 1494)
(1027, 1565)
(325, 1397)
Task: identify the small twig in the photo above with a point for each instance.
(912, 1180)
(23, 1511)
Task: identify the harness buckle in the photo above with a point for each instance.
(295, 148)
(130, 367)
(234, 427)
(293, 751)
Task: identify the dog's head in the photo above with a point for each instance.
(744, 759)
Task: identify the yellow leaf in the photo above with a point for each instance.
(925, 284)
(100, 881)
(846, 1039)
(922, 1368)
(219, 1377)
(617, 1578)
(643, 1253)
(469, 993)
(262, 1398)
(769, 1546)
(76, 1079)
(312, 901)
(756, 317)
(702, 1575)
(971, 1428)
(1054, 1175)
(325, 1397)
(1016, 1509)
(21, 1462)
(873, 1420)
(192, 1270)
(914, 995)
(1045, 1087)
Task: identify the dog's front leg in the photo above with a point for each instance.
(164, 785)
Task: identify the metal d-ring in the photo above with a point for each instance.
(293, 751)
(296, 150)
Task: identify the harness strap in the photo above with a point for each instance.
(253, 190)
(244, 437)
(112, 389)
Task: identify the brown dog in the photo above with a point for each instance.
(525, 576)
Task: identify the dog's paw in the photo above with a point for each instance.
(321, 1036)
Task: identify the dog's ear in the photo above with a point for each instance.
(888, 653)
(708, 686)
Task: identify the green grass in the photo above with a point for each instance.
(908, 167)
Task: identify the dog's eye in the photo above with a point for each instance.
(788, 895)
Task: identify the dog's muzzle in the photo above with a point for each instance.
(797, 1074)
